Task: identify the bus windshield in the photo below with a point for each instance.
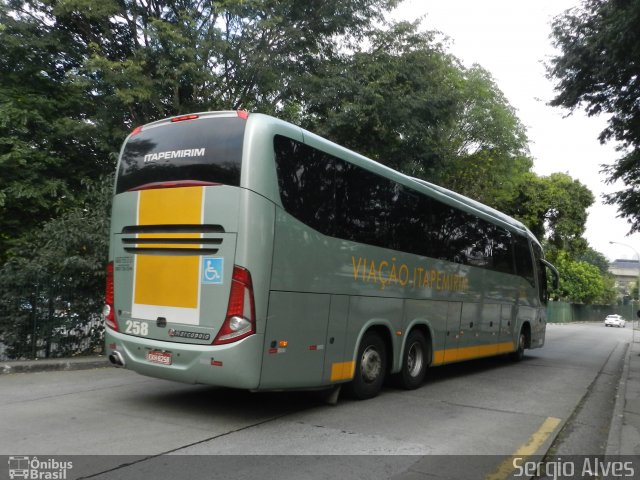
(207, 149)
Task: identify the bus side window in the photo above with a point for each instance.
(524, 262)
(541, 273)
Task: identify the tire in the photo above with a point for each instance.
(519, 353)
(415, 361)
(371, 367)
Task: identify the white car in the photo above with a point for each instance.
(614, 321)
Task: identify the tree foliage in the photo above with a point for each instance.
(51, 287)
(555, 209)
(598, 69)
(582, 282)
(76, 75)
(406, 102)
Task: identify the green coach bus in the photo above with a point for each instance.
(246, 252)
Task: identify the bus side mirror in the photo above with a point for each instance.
(555, 274)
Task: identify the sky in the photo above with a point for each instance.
(510, 39)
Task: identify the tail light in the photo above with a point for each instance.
(240, 321)
(108, 312)
(183, 118)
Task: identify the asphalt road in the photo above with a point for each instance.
(490, 409)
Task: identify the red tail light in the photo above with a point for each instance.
(240, 321)
(108, 312)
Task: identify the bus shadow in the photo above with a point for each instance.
(472, 367)
(203, 401)
(207, 401)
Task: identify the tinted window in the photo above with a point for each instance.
(364, 203)
(542, 274)
(343, 200)
(306, 178)
(206, 149)
(524, 263)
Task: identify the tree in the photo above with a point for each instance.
(595, 258)
(581, 282)
(77, 75)
(598, 69)
(52, 287)
(554, 208)
(405, 102)
(391, 101)
(48, 141)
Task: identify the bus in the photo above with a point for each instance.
(247, 252)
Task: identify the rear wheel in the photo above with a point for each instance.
(371, 367)
(414, 362)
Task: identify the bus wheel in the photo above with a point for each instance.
(371, 367)
(519, 353)
(414, 362)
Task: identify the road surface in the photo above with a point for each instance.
(491, 409)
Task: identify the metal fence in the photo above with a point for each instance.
(48, 321)
(563, 312)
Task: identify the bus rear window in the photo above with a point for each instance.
(202, 150)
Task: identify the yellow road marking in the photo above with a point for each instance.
(527, 449)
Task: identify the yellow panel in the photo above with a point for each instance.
(468, 353)
(438, 357)
(168, 280)
(342, 371)
(167, 206)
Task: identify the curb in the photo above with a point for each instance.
(56, 364)
(614, 441)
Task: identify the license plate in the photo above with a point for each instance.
(164, 358)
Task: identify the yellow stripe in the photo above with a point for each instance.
(342, 370)
(167, 236)
(468, 353)
(529, 448)
(168, 280)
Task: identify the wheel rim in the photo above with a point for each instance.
(415, 359)
(522, 342)
(370, 364)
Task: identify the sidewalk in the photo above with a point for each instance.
(53, 364)
(624, 436)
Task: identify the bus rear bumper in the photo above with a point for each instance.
(235, 365)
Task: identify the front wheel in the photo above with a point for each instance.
(519, 353)
(371, 367)
(414, 361)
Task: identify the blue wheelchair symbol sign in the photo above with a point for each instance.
(212, 270)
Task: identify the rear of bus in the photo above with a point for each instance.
(190, 254)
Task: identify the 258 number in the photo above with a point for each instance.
(137, 328)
